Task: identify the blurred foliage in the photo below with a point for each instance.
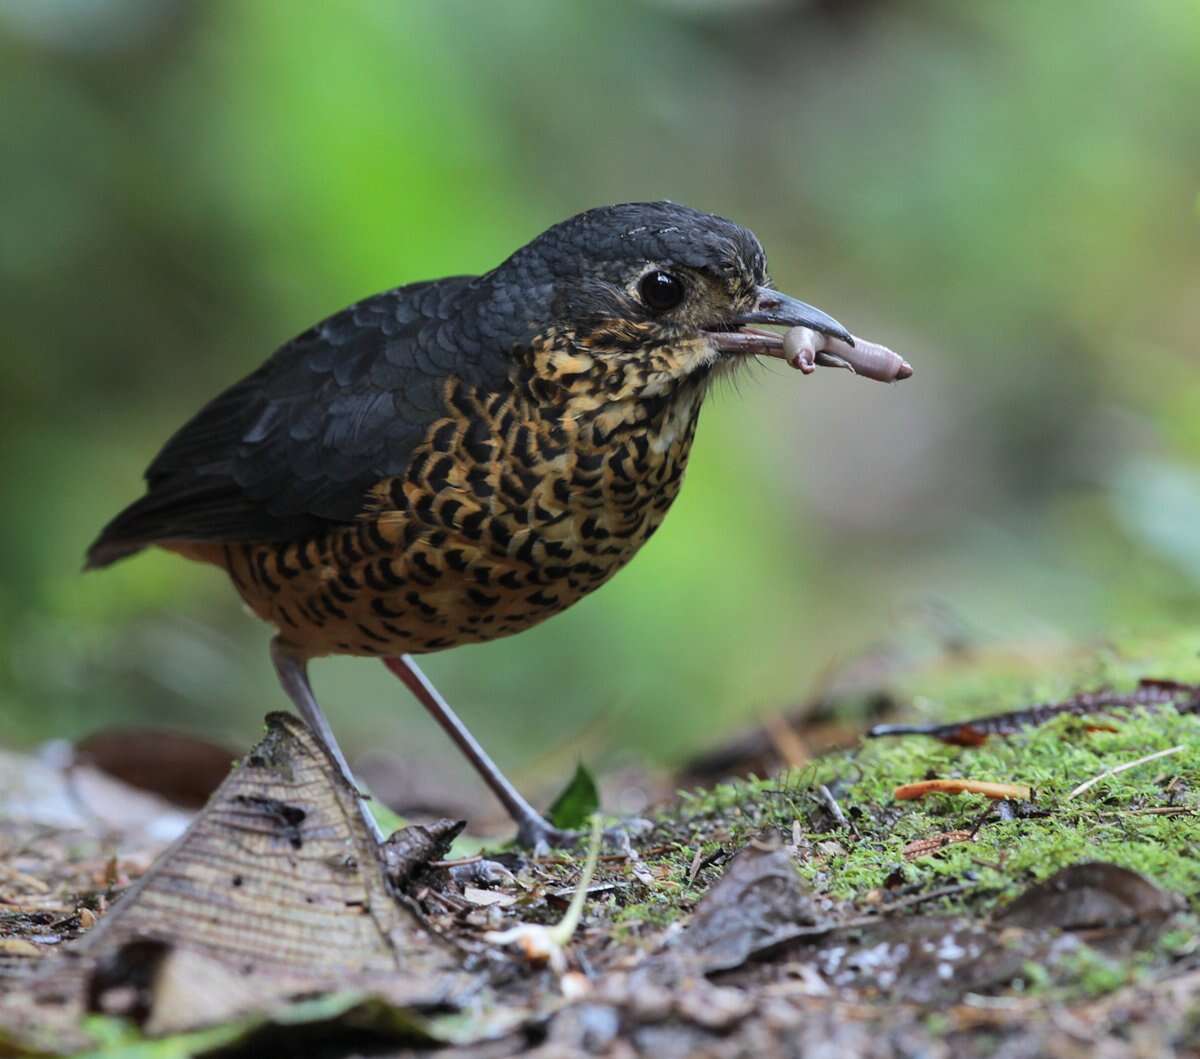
(1008, 193)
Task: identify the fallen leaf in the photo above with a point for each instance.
(1017, 791)
(924, 847)
(1088, 896)
(275, 890)
(484, 898)
(181, 768)
(759, 902)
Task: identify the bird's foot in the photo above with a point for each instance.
(540, 836)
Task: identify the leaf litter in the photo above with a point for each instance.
(799, 911)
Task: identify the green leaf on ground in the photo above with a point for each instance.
(573, 808)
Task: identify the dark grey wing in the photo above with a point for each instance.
(293, 448)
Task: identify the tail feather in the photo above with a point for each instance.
(185, 511)
(193, 509)
(142, 523)
(104, 553)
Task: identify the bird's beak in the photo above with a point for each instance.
(815, 338)
(771, 307)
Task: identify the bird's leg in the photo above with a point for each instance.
(533, 829)
(293, 675)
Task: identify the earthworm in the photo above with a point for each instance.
(803, 347)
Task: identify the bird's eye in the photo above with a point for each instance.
(660, 290)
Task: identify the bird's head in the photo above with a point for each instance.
(637, 300)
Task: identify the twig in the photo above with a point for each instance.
(785, 740)
(877, 914)
(1088, 784)
(920, 899)
(835, 810)
(1149, 694)
(702, 862)
(984, 817)
(1154, 810)
(605, 858)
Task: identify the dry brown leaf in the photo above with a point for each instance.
(924, 847)
(182, 769)
(758, 903)
(276, 885)
(1091, 896)
(19, 947)
(1017, 791)
(484, 898)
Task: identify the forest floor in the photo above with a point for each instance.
(1023, 885)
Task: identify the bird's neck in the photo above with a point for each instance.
(622, 459)
(596, 412)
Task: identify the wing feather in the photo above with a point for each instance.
(293, 448)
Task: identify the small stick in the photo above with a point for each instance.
(1154, 810)
(920, 899)
(1149, 694)
(786, 740)
(984, 817)
(1088, 784)
(455, 862)
(835, 809)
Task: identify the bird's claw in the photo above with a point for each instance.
(482, 873)
(540, 836)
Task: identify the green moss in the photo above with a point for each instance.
(1107, 822)
(1085, 973)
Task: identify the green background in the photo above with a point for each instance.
(1007, 193)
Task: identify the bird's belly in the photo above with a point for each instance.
(470, 552)
(355, 593)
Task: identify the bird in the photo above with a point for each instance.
(454, 461)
